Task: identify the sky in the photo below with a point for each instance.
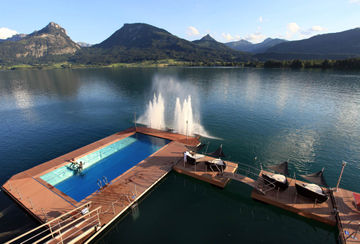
(93, 21)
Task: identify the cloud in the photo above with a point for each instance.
(260, 19)
(354, 1)
(294, 30)
(292, 27)
(192, 31)
(255, 37)
(311, 31)
(317, 28)
(6, 33)
(228, 37)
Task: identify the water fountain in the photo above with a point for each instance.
(184, 120)
(154, 115)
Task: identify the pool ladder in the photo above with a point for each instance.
(102, 181)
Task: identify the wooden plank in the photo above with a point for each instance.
(349, 215)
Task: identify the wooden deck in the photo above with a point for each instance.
(349, 216)
(201, 172)
(293, 202)
(45, 202)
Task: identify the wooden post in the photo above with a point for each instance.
(342, 170)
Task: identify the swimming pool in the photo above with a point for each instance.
(110, 162)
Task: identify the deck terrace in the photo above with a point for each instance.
(289, 200)
(201, 172)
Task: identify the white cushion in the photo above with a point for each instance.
(314, 188)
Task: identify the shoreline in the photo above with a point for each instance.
(271, 64)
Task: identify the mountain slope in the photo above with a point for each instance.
(339, 45)
(241, 45)
(209, 42)
(140, 42)
(246, 46)
(49, 44)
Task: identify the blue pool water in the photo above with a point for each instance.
(110, 161)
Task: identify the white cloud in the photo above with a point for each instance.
(6, 33)
(354, 1)
(228, 37)
(293, 30)
(293, 27)
(311, 31)
(317, 28)
(192, 31)
(260, 19)
(255, 37)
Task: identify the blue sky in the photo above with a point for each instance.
(94, 21)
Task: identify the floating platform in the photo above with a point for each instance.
(201, 172)
(46, 203)
(51, 206)
(290, 200)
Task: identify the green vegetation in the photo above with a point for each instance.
(347, 64)
(353, 63)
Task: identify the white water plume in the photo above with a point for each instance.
(154, 115)
(184, 120)
(183, 117)
(173, 107)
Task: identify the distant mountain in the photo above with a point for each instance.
(241, 45)
(84, 44)
(48, 44)
(139, 42)
(247, 46)
(339, 45)
(209, 42)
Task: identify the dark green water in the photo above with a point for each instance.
(308, 117)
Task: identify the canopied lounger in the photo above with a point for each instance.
(313, 190)
(279, 178)
(217, 164)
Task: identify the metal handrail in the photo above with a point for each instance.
(95, 221)
(48, 223)
(255, 175)
(67, 225)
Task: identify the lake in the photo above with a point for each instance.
(308, 117)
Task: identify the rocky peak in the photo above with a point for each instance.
(208, 38)
(51, 28)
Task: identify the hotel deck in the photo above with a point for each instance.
(65, 220)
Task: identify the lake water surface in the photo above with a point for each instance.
(310, 118)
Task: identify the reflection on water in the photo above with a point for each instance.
(296, 145)
(310, 118)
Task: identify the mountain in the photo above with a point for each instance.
(247, 46)
(209, 42)
(140, 42)
(341, 45)
(48, 44)
(241, 45)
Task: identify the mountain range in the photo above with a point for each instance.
(142, 42)
(139, 42)
(246, 46)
